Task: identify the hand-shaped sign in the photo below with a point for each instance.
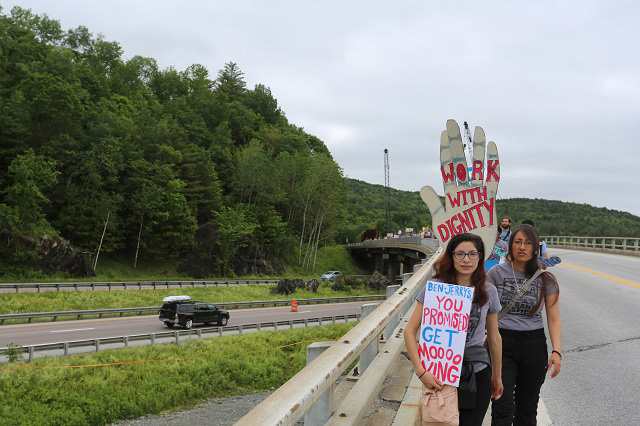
(469, 200)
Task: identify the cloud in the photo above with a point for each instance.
(554, 84)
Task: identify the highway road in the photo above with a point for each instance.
(599, 306)
(40, 333)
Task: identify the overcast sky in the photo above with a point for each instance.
(556, 84)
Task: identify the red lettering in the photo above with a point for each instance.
(489, 207)
(464, 223)
(482, 193)
(491, 170)
(444, 233)
(469, 215)
(440, 299)
(455, 305)
(449, 354)
(455, 229)
(464, 196)
(477, 170)
(440, 352)
(477, 209)
(446, 177)
(448, 304)
(452, 377)
(425, 314)
(461, 170)
(455, 202)
(433, 352)
(423, 352)
(457, 359)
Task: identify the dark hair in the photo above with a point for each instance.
(445, 270)
(528, 222)
(507, 217)
(531, 266)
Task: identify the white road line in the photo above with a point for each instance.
(301, 312)
(75, 329)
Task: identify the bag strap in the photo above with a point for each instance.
(521, 291)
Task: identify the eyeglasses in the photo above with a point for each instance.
(521, 242)
(473, 255)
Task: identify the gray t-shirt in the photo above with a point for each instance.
(477, 318)
(502, 276)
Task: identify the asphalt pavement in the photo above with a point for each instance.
(51, 332)
(599, 304)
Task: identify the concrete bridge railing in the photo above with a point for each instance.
(291, 401)
(424, 245)
(618, 245)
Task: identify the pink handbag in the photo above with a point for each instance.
(439, 408)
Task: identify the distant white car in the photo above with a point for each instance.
(331, 275)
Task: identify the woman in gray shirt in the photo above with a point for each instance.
(525, 360)
(462, 264)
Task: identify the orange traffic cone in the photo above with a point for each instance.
(294, 306)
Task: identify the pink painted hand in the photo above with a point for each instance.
(469, 200)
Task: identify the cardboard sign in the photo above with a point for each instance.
(470, 192)
(445, 320)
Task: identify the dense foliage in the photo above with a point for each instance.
(366, 210)
(122, 157)
(174, 376)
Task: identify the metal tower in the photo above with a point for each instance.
(386, 188)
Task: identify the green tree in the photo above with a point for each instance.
(21, 213)
(230, 82)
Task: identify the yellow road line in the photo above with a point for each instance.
(603, 275)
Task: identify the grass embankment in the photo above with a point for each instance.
(178, 377)
(49, 301)
(329, 258)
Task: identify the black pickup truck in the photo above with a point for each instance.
(186, 312)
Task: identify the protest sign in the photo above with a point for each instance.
(445, 320)
(469, 195)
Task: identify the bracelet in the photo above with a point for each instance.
(554, 351)
(420, 376)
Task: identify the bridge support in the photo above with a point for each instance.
(322, 409)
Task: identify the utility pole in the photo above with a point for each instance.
(386, 188)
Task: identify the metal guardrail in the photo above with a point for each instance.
(622, 245)
(139, 310)
(288, 403)
(129, 284)
(99, 343)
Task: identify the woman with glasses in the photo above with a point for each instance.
(462, 264)
(525, 359)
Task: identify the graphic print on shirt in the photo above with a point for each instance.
(474, 319)
(526, 303)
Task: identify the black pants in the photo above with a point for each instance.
(524, 368)
(483, 395)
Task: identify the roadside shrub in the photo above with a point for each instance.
(13, 353)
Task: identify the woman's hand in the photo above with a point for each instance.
(431, 381)
(556, 362)
(496, 387)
